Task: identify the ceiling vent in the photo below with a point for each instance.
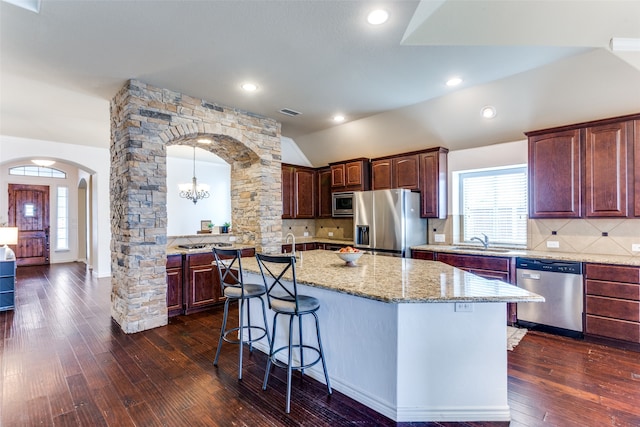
(290, 112)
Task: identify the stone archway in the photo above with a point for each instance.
(144, 120)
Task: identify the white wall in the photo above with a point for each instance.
(95, 161)
(183, 217)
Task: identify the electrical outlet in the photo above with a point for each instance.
(635, 247)
(439, 238)
(464, 307)
(232, 238)
(553, 244)
(306, 234)
(330, 234)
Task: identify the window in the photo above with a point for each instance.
(37, 171)
(62, 225)
(494, 202)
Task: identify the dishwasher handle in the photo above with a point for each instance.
(533, 276)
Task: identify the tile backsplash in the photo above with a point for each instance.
(342, 228)
(605, 236)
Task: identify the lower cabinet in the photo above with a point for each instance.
(488, 267)
(7, 285)
(286, 249)
(193, 283)
(612, 302)
(175, 303)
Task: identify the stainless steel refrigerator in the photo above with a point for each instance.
(388, 221)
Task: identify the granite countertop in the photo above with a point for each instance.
(399, 280)
(561, 256)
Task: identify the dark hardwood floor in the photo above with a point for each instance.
(65, 362)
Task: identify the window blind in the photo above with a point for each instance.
(494, 202)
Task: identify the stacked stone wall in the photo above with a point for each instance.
(144, 121)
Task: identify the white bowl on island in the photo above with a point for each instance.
(350, 256)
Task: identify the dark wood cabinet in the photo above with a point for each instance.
(352, 175)
(636, 166)
(426, 255)
(323, 204)
(555, 189)
(612, 301)
(175, 302)
(606, 179)
(585, 170)
(381, 174)
(433, 183)
(298, 192)
(287, 191)
(203, 284)
(286, 249)
(7, 285)
(396, 172)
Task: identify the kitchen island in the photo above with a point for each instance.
(414, 340)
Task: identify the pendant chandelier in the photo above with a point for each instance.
(194, 191)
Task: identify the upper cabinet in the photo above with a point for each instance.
(585, 170)
(323, 204)
(402, 171)
(606, 178)
(433, 183)
(352, 175)
(555, 175)
(298, 192)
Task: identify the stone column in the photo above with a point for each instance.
(144, 120)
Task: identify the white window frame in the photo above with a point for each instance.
(517, 218)
(62, 218)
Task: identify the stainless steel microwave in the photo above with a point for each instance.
(342, 204)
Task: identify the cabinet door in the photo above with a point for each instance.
(287, 191)
(338, 176)
(428, 255)
(174, 291)
(636, 166)
(554, 175)
(324, 193)
(203, 284)
(304, 193)
(406, 172)
(433, 186)
(606, 171)
(381, 174)
(353, 172)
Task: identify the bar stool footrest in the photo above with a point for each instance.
(298, 367)
(247, 341)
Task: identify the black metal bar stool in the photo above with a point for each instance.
(285, 300)
(235, 289)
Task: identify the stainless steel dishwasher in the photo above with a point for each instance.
(560, 283)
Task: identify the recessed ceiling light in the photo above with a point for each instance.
(488, 112)
(43, 163)
(454, 81)
(204, 141)
(620, 44)
(249, 87)
(338, 118)
(378, 17)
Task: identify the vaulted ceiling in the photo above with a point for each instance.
(539, 63)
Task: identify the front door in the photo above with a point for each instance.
(29, 211)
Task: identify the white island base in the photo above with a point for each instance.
(410, 361)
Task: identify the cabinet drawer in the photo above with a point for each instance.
(174, 261)
(6, 300)
(200, 259)
(430, 256)
(472, 261)
(617, 308)
(613, 273)
(611, 328)
(613, 289)
(6, 284)
(7, 268)
(491, 275)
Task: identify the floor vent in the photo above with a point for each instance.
(290, 112)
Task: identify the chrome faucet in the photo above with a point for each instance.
(485, 241)
(293, 245)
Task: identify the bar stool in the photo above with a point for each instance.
(284, 299)
(235, 289)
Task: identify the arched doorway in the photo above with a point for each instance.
(146, 119)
